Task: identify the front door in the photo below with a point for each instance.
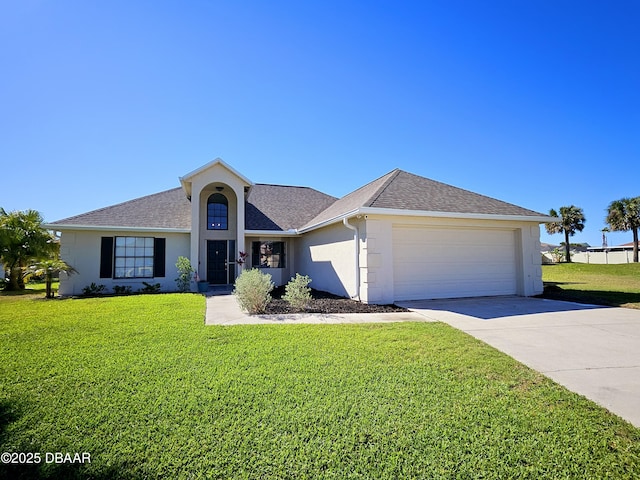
(217, 262)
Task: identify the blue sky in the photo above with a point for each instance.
(535, 103)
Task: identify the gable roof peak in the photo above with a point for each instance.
(186, 180)
(212, 163)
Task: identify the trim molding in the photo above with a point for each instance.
(425, 213)
(111, 228)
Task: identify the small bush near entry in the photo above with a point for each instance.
(252, 290)
(297, 292)
(185, 270)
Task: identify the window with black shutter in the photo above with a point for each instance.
(106, 257)
(159, 248)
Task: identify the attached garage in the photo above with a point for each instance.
(445, 262)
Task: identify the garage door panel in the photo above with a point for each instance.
(453, 262)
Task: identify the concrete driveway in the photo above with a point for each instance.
(591, 350)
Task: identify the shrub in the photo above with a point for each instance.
(93, 289)
(150, 288)
(297, 292)
(121, 289)
(252, 290)
(185, 271)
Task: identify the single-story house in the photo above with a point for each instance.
(399, 237)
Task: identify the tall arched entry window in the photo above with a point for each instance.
(217, 212)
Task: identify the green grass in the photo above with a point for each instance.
(615, 285)
(150, 392)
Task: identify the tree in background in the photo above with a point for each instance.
(23, 241)
(624, 215)
(51, 268)
(571, 221)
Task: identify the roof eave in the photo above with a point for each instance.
(113, 228)
(426, 213)
(271, 233)
(473, 216)
(186, 186)
(329, 221)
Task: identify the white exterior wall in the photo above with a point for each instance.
(327, 255)
(531, 260)
(377, 265)
(81, 250)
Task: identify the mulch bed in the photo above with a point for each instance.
(324, 302)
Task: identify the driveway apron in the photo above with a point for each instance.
(591, 350)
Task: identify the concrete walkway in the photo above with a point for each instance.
(223, 309)
(591, 350)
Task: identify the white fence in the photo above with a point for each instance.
(625, 256)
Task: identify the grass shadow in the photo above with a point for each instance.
(20, 293)
(553, 291)
(48, 468)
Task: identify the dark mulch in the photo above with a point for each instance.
(324, 302)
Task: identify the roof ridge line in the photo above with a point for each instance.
(392, 175)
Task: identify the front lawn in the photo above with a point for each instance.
(143, 386)
(615, 285)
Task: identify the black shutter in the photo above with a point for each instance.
(106, 257)
(159, 248)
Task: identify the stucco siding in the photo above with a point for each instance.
(81, 250)
(327, 255)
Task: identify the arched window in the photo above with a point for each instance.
(217, 212)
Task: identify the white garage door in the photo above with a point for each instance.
(453, 262)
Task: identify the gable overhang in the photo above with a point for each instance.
(113, 228)
(425, 213)
(186, 180)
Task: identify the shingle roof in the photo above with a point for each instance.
(407, 191)
(356, 199)
(168, 209)
(399, 190)
(278, 207)
(268, 207)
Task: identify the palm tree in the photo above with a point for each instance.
(22, 241)
(571, 221)
(50, 268)
(624, 215)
